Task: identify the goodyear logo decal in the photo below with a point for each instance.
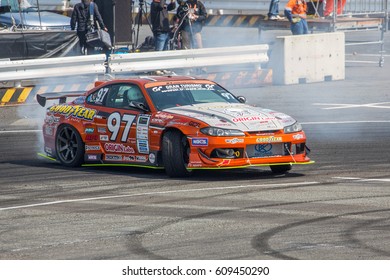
(74, 111)
(270, 139)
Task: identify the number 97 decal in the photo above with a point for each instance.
(114, 125)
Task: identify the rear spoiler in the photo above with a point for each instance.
(61, 96)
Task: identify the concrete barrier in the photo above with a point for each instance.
(308, 58)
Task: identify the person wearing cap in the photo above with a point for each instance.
(295, 11)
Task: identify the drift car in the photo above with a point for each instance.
(176, 123)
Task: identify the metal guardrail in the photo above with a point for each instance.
(136, 62)
(19, 70)
(22, 70)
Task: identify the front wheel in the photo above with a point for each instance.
(280, 169)
(175, 153)
(69, 146)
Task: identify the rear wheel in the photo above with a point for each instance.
(280, 169)
(175, 153)
(69, 146)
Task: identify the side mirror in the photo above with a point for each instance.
(139, 105)
(242, 99)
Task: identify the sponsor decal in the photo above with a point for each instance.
(142, 133)
(223, 125)
(234, 141)
(74, 111)
(113, 157)
(141, 158)
(92, 148)
(163, 115)
(143, 120)
(152, 158)
(104, 138)
(177, 123)
(298, 136)
(224, 162)
(51, 119)
(143, 146)
(79, 100)
(269, 139)
(156, 89)
(91, 137)
(92, 157)
(49, 130)
(263, 150)
(89, 130)
(102, 130)
(129, 158)
(118, 148)
(252, 118)
(195, 164)
(200, 142)
(156, 121)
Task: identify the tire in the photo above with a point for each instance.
(280, 169)
(175, 154)
(69, 146)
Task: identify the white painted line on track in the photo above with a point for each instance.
(20, 131)
(362, 179)
(380, 105)
(155, 193)
(346, 122)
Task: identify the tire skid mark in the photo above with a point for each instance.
(261, 241)
(350, 235)
(149, 230)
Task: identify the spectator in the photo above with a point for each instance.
(160, 23)
(329, 6)
(273, 12)
(295, 12)
(193, 14)
(80, 18)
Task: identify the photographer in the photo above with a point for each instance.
(160, 23)
(192, 14)
(80, 20)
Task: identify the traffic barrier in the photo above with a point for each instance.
(308, 58)
(182, 59)
(19, 70)
(15, 95)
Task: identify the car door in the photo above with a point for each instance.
(121, 125)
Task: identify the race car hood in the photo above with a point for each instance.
(235, 116)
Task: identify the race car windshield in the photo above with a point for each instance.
(173, 95)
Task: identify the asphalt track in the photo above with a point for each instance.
(337, 208)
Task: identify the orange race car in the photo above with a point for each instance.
(176, 123)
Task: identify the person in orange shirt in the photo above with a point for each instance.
(328, 11)
(295, 11)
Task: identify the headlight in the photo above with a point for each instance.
(293, 128)
(216, 131)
